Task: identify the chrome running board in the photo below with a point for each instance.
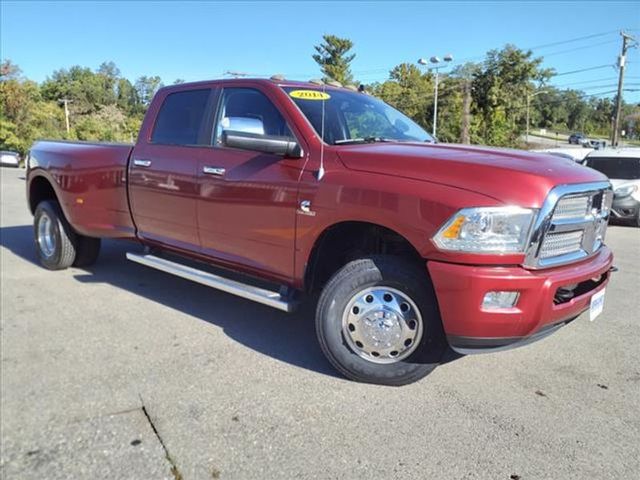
(250, 292)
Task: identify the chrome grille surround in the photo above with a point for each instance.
(570, 226)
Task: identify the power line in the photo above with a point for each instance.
(587, 81)
(571, 40)
(588, 69)
(584, 47)
(607, 86)
(561, 42)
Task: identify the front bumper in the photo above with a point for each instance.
(460, 290)
(625, 208)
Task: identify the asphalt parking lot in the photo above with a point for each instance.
(121, 372)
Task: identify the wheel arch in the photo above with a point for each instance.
(41, 188)
(347, 240)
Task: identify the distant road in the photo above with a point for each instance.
(549, 142)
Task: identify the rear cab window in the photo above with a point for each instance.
(619, 168)
(184, 119)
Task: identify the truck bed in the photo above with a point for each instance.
(90, 180)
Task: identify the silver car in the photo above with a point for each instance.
(9, 159)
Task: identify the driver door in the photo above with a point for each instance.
(247, 204)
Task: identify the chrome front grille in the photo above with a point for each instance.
(572, 207)
(555, 244)
(571, 224)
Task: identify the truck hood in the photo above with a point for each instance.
(513, 177)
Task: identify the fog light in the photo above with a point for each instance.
(499, 300)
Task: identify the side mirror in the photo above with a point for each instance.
(284, 146)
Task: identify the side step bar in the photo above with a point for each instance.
(260, 295)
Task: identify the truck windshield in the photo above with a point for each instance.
(618, 168)
(353, 117)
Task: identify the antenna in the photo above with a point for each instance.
(321, 169)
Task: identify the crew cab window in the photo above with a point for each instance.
(182, 119)
(250, 111)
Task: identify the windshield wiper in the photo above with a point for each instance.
(364, 140)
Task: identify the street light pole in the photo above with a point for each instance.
(435, 106)
(435, 61)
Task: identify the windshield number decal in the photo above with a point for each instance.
(309, 95)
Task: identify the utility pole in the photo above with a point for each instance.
(626, 40)
(529, 97)
(65, 102)
(466, 113)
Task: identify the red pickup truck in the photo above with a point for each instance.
(301, 188)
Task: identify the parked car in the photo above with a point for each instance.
(596, 144)
(577, 138)
(622, 166)
(9, 159)
(412, 246)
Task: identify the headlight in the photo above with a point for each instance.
(487, 230)
(625, 191)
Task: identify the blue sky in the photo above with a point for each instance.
(201, 40)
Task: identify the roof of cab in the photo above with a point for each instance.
(240, 81)
(625, 152)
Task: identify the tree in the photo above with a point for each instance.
(464, 75)
(146, 87)
(332, 56)
(81, 85)
(500, 90)
(127, 98)
(9, 70)
(409, 90)
(109, 74)
(25, 115)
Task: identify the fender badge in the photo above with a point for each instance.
(305, 208)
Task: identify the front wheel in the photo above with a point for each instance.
(378, 322)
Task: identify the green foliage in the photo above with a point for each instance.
(102, 105)
(408, 90)
(25, 115)
(9, 139)
(500, 90)
(334, 59)
(146, 88)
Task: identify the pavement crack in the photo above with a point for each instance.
(174, 468)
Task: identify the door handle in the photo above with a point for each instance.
(217, 171)
(138, 162)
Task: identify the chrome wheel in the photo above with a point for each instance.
(382, 325)
(46, 236)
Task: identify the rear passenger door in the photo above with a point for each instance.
(163, 171)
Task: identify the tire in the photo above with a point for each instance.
(87, 251)
(54, 238)
(344, 317)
